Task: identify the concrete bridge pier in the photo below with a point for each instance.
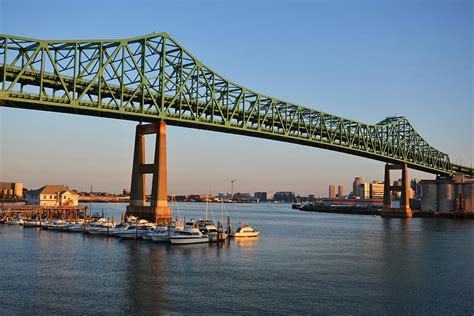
(404, 209)
(158, 210)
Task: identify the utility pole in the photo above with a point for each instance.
(232, 188)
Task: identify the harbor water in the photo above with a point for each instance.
(303, 262)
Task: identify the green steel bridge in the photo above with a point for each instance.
(153, 78)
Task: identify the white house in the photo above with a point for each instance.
(52, 195)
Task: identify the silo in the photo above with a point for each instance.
(446, 199)
(468, 192)
(429, 200)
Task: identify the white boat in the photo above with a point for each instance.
(189, 235)
(55, 225)
(16, 221)
(95, 228)
(74, 227)
(31, 224)
(146, 234)
(245, 230)
(133, 232)
(162, 234)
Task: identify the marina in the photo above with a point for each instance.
(318, 261)
(78, 220)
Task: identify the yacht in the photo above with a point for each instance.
(77, 227)
(57, 224)
(207, 227)
(34, 223)
(16, 221)
(245, 230)
(189, 235)
(99, 228)
(133, 231)
(146, 235)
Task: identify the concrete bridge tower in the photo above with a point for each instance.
(158, 210)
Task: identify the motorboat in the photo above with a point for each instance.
(245, 230)
(133, 231)
(34, 223)
(219, 235)
(162, 234)
(189, 235)
(57, 225)
(77, 227)
(15, 221)
(96, 227)
(109, 231)
(207, 227)
(146, 234)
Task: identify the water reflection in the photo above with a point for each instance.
(324, 264)
(246, 242)
(146, 285)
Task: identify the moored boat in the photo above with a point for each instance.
(15, 221)
(245, 230)
(34, 223)
(189, 235)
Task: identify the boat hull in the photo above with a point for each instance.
(246, 234)
(188, 240)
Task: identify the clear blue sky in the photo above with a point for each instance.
(364, 60)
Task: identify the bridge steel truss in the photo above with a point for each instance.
(153, 78)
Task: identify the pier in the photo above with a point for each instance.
(37, 211)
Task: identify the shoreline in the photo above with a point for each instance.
(375, 211)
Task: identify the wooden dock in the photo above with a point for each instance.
(37, 211)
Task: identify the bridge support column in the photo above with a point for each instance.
(158, 210)
(404, 209)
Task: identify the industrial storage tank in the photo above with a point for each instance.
(446, 199)
(429, 199)
(468, 192)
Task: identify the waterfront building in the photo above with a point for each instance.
(11, 190)
(355, 186)
(340, 191)
(448, 194)
(332, 191)
(372, 190)
(376, 190)
(242, 196)
(261, 196)
(52, 195)
(284, 196)
(311, 198)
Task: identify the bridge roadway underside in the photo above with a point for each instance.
(139, 117)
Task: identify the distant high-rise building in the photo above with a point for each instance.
(332, 191)
(284, 196)
(355, 187)
(364, 190)
(261, 196)
(340, 191)
(376, 190)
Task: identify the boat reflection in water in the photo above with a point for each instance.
(246, 242)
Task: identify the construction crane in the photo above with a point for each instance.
(232, 188)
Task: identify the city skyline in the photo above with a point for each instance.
(393, 68)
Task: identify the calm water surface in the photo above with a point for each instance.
(302, 263)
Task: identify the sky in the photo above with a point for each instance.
(361, 59)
